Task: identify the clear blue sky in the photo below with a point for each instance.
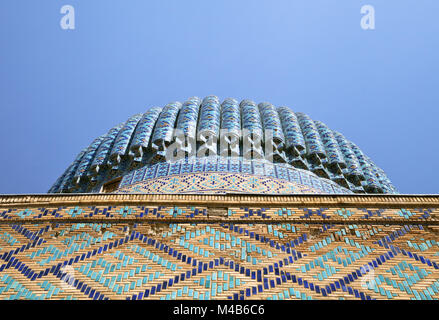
(61, 89)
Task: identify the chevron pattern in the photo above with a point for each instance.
(217, 183)
(42, 256)
(233, 173)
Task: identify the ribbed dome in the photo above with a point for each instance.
(298, 144)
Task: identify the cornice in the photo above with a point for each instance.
(224, 200)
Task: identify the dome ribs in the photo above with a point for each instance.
(86, 160)
(352, 171)
(315, 151)
(209, 126)
(122, 141)
(186, 130)
(252, 133)
(164, 130)
(247, 132)
(101, 157)
(66, 184)
(273, 133)
(142, 136)
(294, 141)
(371, 183)
(230, 128)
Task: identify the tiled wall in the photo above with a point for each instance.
(234, 175)
(114, 252)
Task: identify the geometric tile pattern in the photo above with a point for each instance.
(218, 183)
(220, 261)
(115, 251)
(231, 214)
(269, 177)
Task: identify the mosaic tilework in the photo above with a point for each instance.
(142, 135)
(331, 146)
(292, 130)
(217, 261)
(251, 118)
(68, 174)
(122, 140)
(353, 170)
(371, 179)
(188, 117)
(382, 178)
(271, 121)
(297, 141)
(233, 214)
(104, 149)
(87, 158)
(230, 115)
(192, 251)
(311, 134)
(210, 115)
(217, 182)
(165, 126)
(227, 171)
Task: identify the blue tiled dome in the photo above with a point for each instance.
(304, 151)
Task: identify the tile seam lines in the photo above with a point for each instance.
(231, 221)
(400, 201)
(220, 204)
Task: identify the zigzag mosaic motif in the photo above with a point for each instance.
(231, 175)
(275, 259)
(298, 142)
(217, 183)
